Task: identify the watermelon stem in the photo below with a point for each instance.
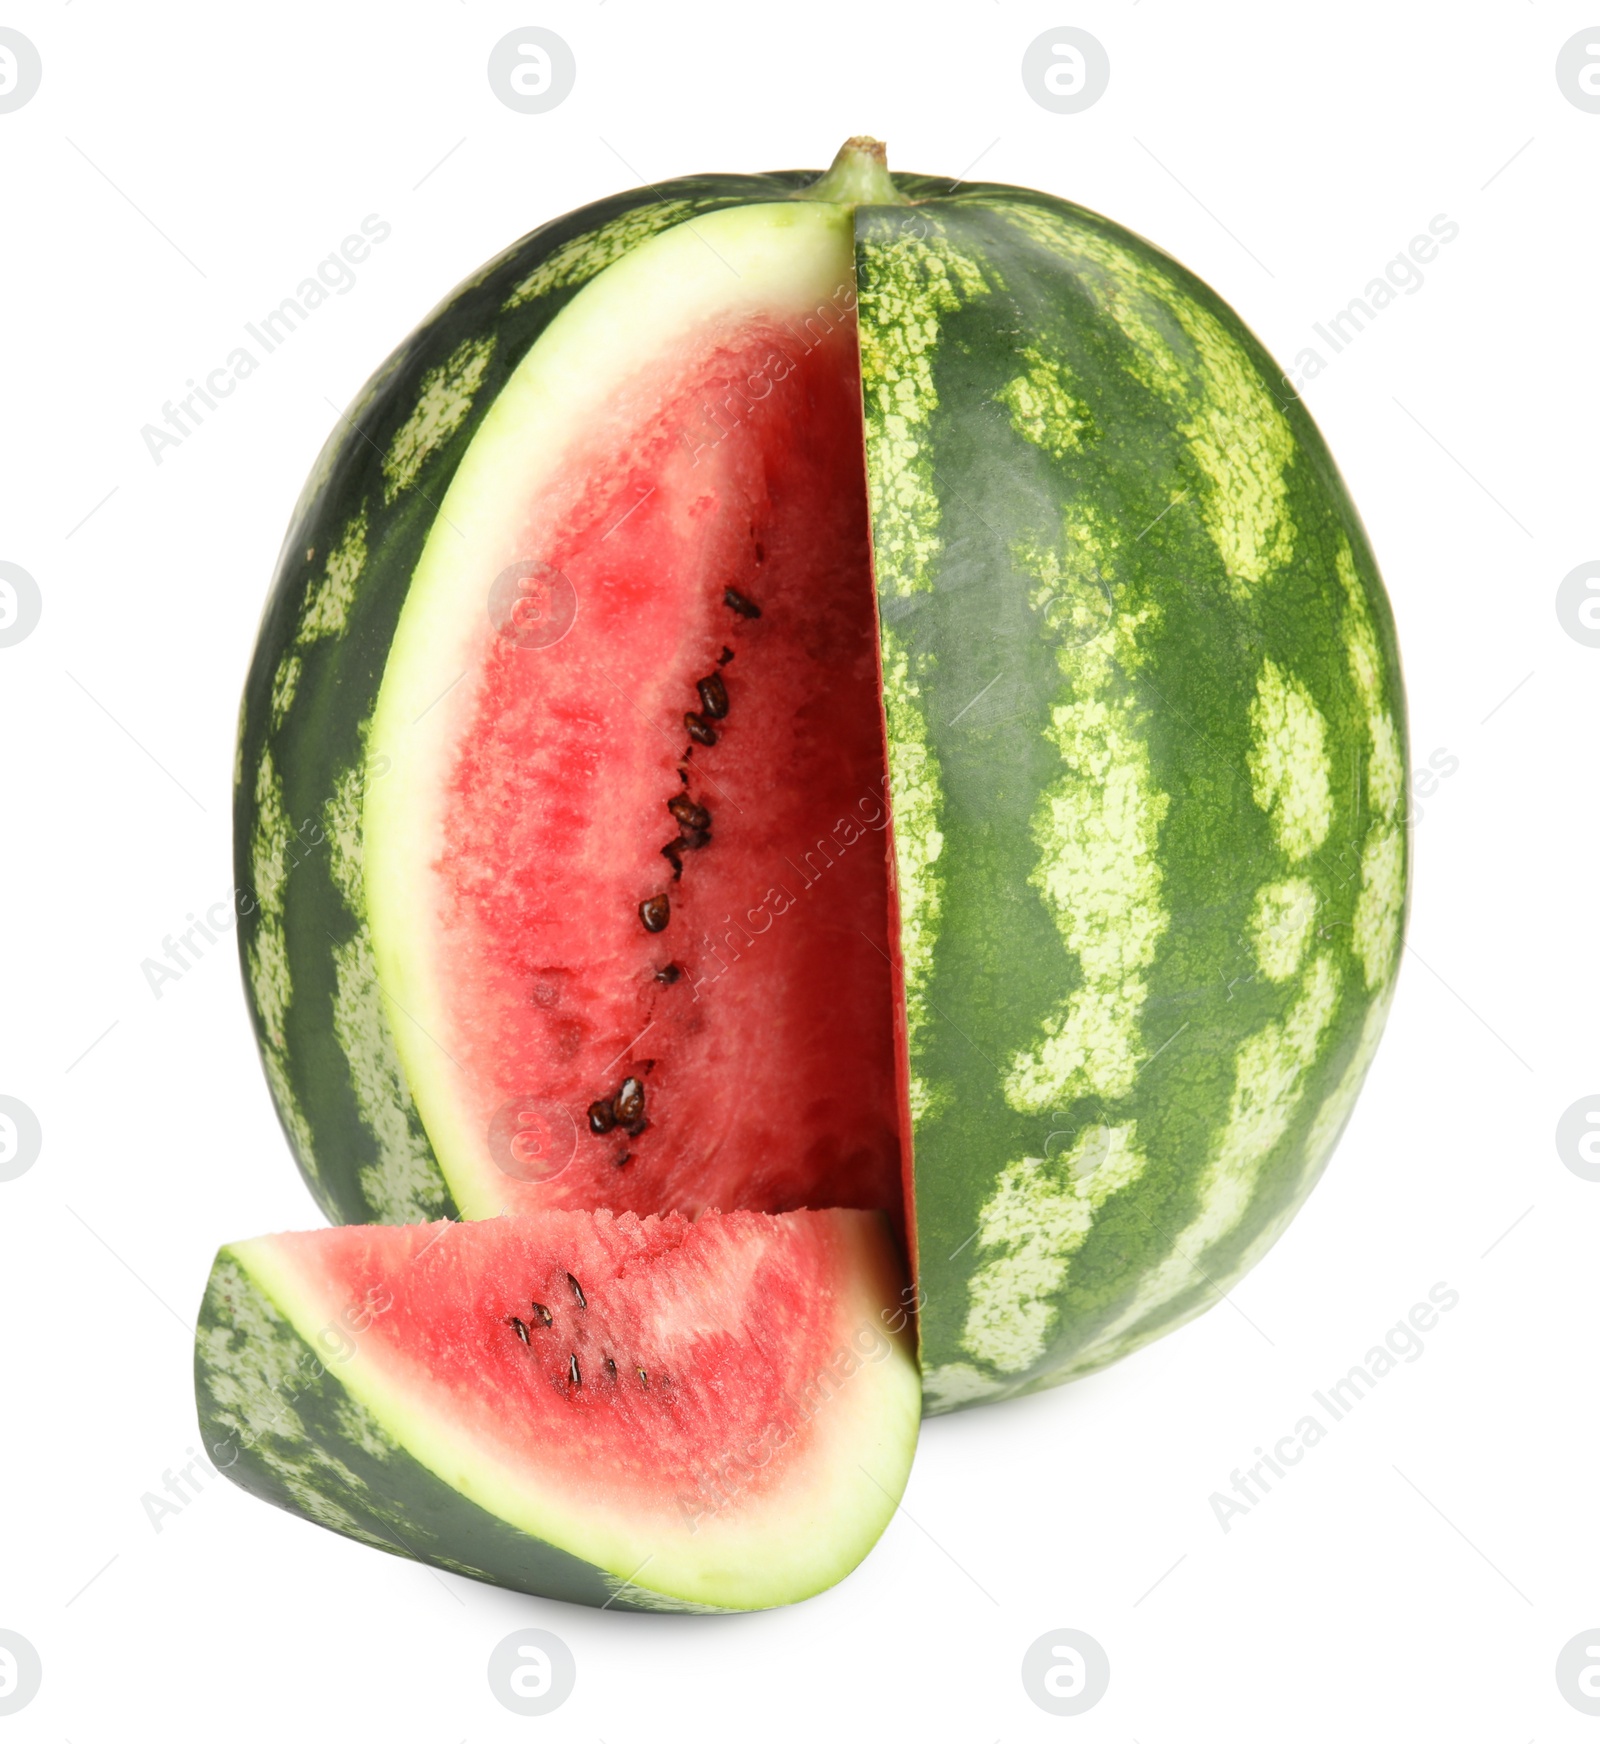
(859, 176)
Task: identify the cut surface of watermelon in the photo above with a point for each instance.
(629, 876)
(655, 1413)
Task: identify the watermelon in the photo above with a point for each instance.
(642, 1413)
(863, 692)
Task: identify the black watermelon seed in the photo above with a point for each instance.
(602, 1117)
(643, 1377)
(691, 816)
(669, 974)
(655, 912)
(689, 838)
(572, 1371)
(725, 656)
(522, 1331)
(544, 1314)
(630, 1103)
(577, 1290)
(701, 731)
(713, 695)
(611, 1367)
(674, 854)
(624, 1159)
(735, 601)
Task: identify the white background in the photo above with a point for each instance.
(179, 172)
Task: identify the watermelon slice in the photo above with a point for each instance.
(648, 1413)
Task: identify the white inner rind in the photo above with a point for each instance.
(776, 262)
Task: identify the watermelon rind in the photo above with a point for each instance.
(1147, 748)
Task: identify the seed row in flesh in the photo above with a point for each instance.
(546, 1318)
(693, 820)
(626, 1108)
(694, 831)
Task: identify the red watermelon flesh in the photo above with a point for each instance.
(709, 546)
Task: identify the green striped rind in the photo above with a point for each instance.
(301, 768)
(1147, 755)
(278, 1421)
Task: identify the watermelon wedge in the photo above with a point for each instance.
(642, 1413)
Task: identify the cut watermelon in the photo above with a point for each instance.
(628, 872)
(566, 870)
(646, 1413)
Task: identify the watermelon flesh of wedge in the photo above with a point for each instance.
(650, 1413)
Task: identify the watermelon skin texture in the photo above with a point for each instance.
(301, 767)
(1148, 753)
(1147, 744)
